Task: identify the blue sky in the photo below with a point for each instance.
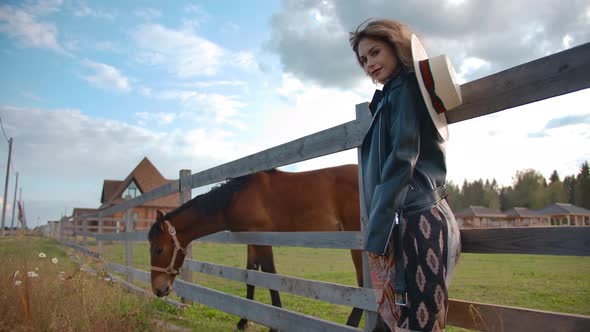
(88, 88)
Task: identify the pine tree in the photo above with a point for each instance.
(556, 192)
(454, 197)
(554, 177)
(582, 187)
(569, 185)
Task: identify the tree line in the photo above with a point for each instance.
(529, 189)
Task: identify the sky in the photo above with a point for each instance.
(89, 88)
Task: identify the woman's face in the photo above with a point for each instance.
(378, 59)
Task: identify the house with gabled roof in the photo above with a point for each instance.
(520, 216)
(143, 178)
(564, 214)
(92, 223)
(480, 217)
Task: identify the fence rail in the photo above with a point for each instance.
(547, 77)
(570, 241)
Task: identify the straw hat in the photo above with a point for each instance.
(439, 87)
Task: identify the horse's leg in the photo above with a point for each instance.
(251, 264)
(357, 259)
(267, 264)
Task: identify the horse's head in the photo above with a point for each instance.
(166, 255)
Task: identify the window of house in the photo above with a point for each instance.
(132, 191)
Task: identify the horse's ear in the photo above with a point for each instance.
(159, 216)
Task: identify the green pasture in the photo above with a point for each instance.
(553, 283)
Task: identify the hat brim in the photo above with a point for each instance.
(439, 120)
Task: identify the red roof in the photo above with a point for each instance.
(147, 177)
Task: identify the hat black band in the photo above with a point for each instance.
(437, 103)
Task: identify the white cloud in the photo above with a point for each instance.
(79, 152)
(311, 37)
(495, 146)
(145, 118)
(81, 9)
(183, 53)
(145, 91)
(304, 111)
(30, 95)
(567, 41)
(230, 27)
(106, 77)
(498, 145)
(469, 66)
(22, 24)
(148, 13)
(209, 84)
(107, 46)
(42, 7)
(207, 108)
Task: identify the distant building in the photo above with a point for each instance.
(481, 217)
(563, 214)
(557, 214)
(520, 216)
(143, 178)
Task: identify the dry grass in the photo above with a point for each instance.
(47, 296)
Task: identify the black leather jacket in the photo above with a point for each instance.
(402, 158)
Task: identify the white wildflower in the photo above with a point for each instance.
(107, 279)
(54, 260)
(17, 282)
(32, 274)
(42, 255)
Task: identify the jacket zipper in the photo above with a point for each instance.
(396, 222)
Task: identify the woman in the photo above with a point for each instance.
(412, 237)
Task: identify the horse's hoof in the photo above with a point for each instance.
(242, 324)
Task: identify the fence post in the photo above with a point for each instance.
(100, 223)
(128, 244)
(84, 231)
(61, 230)
(185, 190)
(74, 230)
(363, 115)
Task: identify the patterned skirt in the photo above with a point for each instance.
(431, 247)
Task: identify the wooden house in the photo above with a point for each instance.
(143, 178)
(521, 217)
(564, 214)
(480, 217)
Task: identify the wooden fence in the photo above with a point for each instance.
(547, 77)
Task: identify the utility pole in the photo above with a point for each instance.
(6, 186)
(14, 203)
(20, 198)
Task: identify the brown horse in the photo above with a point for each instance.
(269, 201)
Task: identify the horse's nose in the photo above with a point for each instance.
(163, 292)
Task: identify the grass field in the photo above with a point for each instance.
(50, 293)
(553, 283)
(540, 282)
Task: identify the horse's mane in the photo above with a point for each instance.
(212, 202)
